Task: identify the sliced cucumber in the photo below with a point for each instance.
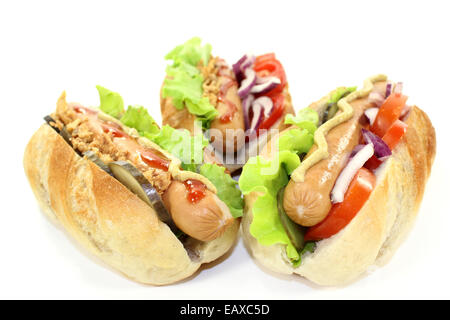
(135, 181)
(330, 112)
(295, 232)
(50, 122)
(63, 132)
(90, 155)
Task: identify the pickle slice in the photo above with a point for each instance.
(90, 155)
(135, 181)
(294, 231)
(330, 112)
(63, 132)
(49, 121)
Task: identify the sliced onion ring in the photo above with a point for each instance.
(398, 88)
(371, 114)
(248, 62)
(247, 83)
(381, 149)
(246, 105)
(266, 104)
(243, 64)
(405, 111)
(258, 116)
(376, 98)
(268, 84)
(388, 89)
(347, 174)
(237, 68)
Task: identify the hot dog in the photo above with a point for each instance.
(308, 202)
(179, 209)
(233, 105)
(344, 197)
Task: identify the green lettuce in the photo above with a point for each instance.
(226, 187)
(191, 52)
(110, 102)
(269, 176)
(306, 118)
(180, 143)
(184, 81)
(137, 117)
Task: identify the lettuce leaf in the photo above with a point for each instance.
(180, 143)
(226, 187)
(266, 226)
(184, 81)
(306, 118)
(137, 117)
(191, 52)
(269, 176)
(110, 102)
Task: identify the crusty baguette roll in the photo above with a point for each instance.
(108, 219)
(374, 234)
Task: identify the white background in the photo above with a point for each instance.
(47, 47)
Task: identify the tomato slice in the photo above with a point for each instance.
(264, 57)
(388, 113)
(395, 133)
(268, 66)
(373, 163)
(278, 105)
(342, 213)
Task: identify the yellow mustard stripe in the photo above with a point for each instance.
(319, 136)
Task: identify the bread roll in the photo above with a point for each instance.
(108, 219)
(378, 229)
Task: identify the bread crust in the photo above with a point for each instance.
(378, 229)
(108, 219)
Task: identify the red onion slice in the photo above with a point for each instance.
(355, 150)
(398, 88)
(388, 89)
(382, 150)
(246, 105)
(268, 84)
(258, 116)
(371, 114)
(376, 98)
(241, 65)
(247, 83)
(265, 103)
(248, 62)
(347, 174)
(405, 111)
(237, 68)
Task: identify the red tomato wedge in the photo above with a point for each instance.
(268, 66)
(278, 108)
(395, 133)
(342, 213)
(388, 113)
(264, 57)
(373, 163)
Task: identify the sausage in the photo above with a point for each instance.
(205, 219)
(308, 203)
(178, 119)
(228, 120)
(223, 101)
